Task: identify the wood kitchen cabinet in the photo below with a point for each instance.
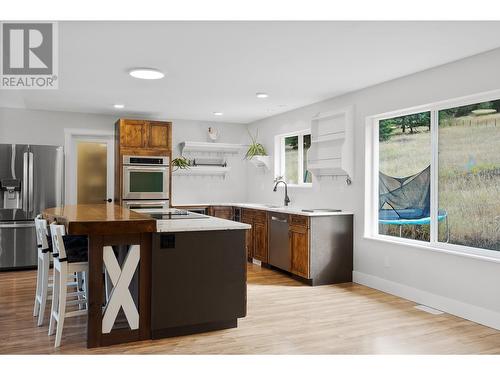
(158, 134)
(299, 249)
(257, 237)
(223, 212)
(248, 235)
(144, 137)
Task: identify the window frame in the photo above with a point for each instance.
(372, 170)
(279, 162)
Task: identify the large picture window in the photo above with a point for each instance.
(469, 174)
(438, 176)
(292, 157)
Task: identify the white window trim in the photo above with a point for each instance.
(279, 165)
(371, 179)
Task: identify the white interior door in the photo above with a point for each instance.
(89, 157)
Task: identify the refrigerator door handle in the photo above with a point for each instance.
(31, 179)
(25, 182)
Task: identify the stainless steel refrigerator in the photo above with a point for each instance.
(31, 179)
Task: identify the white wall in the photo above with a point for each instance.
(463, 286)
(47, 127)
(210, 189)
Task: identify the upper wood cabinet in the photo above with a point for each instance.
(133, 133)
(158, 134)
(144, 135)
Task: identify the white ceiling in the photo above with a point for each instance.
(219, 66)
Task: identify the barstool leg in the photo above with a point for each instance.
(44, 288)
(86, 288)
(55, 301)
(79, 288)
(63, 287)
(36, 309)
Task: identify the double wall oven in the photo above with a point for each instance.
(146, 182)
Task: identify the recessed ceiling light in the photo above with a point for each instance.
(119, 106)
(146, 73)
(218, 113)
(261, 95)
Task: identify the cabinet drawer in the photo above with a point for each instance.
(223, 212)
(246, 212)
(260, 216)
(299, 220)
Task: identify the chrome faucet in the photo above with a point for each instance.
(278, 181)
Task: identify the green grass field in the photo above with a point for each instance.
(469, 177)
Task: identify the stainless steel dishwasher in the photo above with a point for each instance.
(279, 251)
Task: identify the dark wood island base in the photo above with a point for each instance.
(198, 281)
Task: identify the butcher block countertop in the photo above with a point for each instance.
(100, 219)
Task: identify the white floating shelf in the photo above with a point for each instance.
(209, 147)
(260, 161)
(329, 137)
(203, 170)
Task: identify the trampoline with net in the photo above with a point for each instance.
(406, 200)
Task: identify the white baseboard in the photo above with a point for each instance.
(463, 310)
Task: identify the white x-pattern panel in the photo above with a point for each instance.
(120, 294)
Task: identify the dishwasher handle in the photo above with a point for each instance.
(274, 218)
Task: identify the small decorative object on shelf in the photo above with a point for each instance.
(213, 134)
(180, 163)
(255, 148)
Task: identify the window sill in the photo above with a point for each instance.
(463, 251)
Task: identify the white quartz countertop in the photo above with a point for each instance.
(204, 223)
(274, 208)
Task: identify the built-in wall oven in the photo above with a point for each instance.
(145, 177)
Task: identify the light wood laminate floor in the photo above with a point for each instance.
(284, 317)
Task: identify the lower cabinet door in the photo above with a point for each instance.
(299, 248)
(260, 242)
(248, 236)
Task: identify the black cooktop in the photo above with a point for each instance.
(175, 214)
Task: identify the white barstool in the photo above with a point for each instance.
(42, 275)
(44, 281)
(65, 267)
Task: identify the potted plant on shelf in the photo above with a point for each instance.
(180, 163)
(256, 152)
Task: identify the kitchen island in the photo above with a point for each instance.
(124, 242)
(198, 275)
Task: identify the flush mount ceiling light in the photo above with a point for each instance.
(119, 106)
(218, 113)
(146, 73)
(261, 95)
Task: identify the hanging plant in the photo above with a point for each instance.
(180, 163)
(255, 148)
